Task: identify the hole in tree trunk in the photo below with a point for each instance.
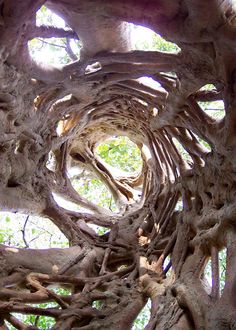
(12, 184)
(213, 108)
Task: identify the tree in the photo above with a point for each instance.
(153, 246)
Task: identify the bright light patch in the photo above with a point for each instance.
(45, 16)
(146, 39)
(141, 34)
(146, 152)
(147, 81)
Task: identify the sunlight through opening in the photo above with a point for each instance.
(53, 50)
(121, 154)
(94, 190)
(214, 109)
(144, 38)
(143, 317)
(25, 231)
(222, 271)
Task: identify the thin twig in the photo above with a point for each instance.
(23, 232)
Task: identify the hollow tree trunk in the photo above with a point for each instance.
(156, 248)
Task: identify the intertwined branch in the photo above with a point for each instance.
(156, 247)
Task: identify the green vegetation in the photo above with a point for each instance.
(43, 322)
(153, 41)
(95, 191)
(121, 153)
(29, 231)
(222, 269)
(143, 317)
(118, 152)
(214, 109)
(52, 50)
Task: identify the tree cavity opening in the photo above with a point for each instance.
(144, 316)
(94, 190)
(111, 177)
(53, 50)
(24, 231)
(121, 155)
(208, 276)
(210, 101)
(144, 38)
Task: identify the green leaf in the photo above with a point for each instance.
(7, 219)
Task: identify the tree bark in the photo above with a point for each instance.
(156, 248)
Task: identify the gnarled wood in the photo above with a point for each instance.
(154, 249)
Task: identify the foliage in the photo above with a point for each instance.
(163, 45)
(53, 49)
(214, 109)
(153, 41)
(34, 232)
(121, 153)
(143, 317)
(95, 191)
(222, 269)
(43, 322)
(50, 46)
